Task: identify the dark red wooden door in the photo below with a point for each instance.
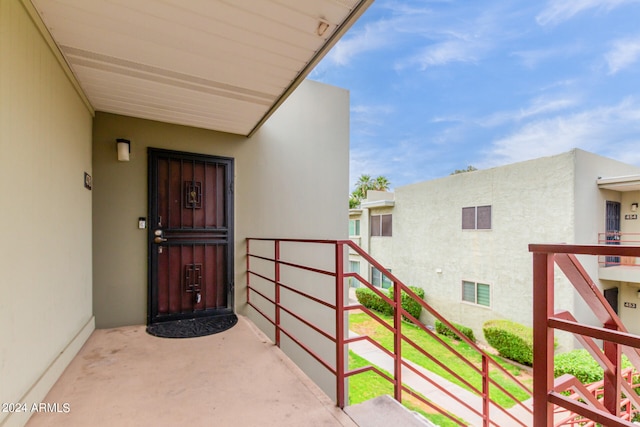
(190, 235)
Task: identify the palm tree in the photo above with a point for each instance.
(381, 183)
(364, 184)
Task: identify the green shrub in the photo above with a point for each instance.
(371, 300)
(442, 329)
(578, 363)
(412, 306)
(581, 365)
(512, 340)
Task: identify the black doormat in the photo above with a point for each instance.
(191, 328)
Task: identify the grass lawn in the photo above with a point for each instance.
(362, 324)
(366, 386)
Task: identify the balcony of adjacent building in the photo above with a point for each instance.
(622, 196)
(619, 268)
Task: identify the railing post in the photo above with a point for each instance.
(397, 323)
(248, 274)
(276, 257)
(486, 401)
(543, 306)
(340, 368)
(611, 382)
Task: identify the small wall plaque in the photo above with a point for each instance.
(87, 181)
(630, 304)
(631, 216)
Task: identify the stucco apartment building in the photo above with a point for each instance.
(464, 238)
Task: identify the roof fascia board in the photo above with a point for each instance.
(618, 180)
(620, 183)
(337, 35)
(378, 204)
(46, 35)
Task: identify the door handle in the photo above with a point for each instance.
(158, 239)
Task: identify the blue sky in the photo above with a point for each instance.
(439, 85)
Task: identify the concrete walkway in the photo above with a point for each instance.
(377, 357)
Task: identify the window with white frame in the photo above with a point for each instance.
(354, 267)
(381, 225)
(476, 293)
(476, 218)
(380, 280)
(354, 227)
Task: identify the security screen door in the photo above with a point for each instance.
(190, 235)
(612, 230)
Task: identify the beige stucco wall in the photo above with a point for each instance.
(290, 181)
(591, 205)
(549, 200)
(630, 225)
(45, 215)
(120, 198)
(590, 213)
(629, 315)
(629, 291)
(531, 202)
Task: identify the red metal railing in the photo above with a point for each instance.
(487, 413)
(617, 392)
(620, 239)
(592, 393)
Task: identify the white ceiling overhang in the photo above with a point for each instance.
(620, 183)
(214, 64)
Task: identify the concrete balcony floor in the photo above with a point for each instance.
(125, 377)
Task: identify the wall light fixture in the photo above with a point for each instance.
(124, 149)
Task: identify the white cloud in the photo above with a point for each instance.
(428, 38)
(381, 34)
(369, 110)
(531, 58)
(372, 37)
(457, 38)
(371, 159)
(543, 138)
(623, 53)
(559, 11)
(369, 117)
(444, 53)
(448, 119)
(595, 130)
(544, 105)
(625, 151)
(538, 106)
